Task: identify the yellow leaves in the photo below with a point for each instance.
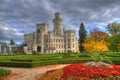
(95, 46)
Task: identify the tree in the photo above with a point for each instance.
(114, 43)
(82, 36)
(113, 28)
(97, 35)
(3, 43)
(95, 42)
(12, 42)
(114, 38)
(95, 46)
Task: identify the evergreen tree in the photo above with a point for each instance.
(12, 42)
(82, 36)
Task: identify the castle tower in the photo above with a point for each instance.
(42, 30)
(58, 24)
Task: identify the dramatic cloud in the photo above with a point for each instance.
(18, 17)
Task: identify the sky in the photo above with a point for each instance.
(19, 17)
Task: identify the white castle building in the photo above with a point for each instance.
(56, 41)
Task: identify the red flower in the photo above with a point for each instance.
(79, 70)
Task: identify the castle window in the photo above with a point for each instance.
(68, 45)
(56, 40)
(46, 40)
(68, 40)
(38, 31)
(62, 46)
(25, 44)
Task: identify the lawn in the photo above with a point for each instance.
(28, 60)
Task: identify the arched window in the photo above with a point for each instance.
(39, 49)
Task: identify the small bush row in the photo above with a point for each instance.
(4, 72)
(22, 60)
(48, 62)
(16, 64)
(40, 63)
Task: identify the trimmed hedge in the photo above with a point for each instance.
(4, 72)
(47, 62)
(47, 59)
(84, 55)
(16, 64)
(116, 62)
(22, 60)
(41, 63)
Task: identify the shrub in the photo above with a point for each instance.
(17, 51)
(34, 52)
(4, 72)
(69, 51)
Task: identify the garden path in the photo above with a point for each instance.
(29, 73)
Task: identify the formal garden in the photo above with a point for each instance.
(99, 58)
(78, 60)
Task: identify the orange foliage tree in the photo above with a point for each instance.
(95, 42)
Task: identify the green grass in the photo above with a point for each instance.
(28, 60)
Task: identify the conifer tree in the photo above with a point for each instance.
(12, 42)
(82, 36)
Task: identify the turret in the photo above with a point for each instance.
(57, 21)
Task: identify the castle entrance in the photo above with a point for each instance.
(39, 49)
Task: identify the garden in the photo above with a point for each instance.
(99, 59)
(84, 71)
(78, 60)
(29, 61)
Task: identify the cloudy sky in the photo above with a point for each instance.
(18, 17)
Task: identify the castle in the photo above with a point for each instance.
(56, 41)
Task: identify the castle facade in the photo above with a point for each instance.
(56, 41)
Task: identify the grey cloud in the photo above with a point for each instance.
(82, 10)
(23, 15)
(7, 34)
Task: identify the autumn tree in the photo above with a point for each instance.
(95, 42)
(82, 36)
(97, 35)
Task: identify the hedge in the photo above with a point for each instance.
(16, 64)
(47, 62)
(40, 63)
(116, 62)
(22, 60)
(4, 72)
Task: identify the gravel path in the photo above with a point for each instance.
(29, 73)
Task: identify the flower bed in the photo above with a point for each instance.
(83, 72)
